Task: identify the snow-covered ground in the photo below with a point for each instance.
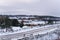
(25, 29)
(46, 37)
(35, 22)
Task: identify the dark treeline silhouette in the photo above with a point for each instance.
(16, 23)
(21, 24)
(7, 23)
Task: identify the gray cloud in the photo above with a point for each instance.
(35, 7)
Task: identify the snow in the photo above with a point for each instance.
(25, 28)
(50, 37)
(46, 37)
(38, 22)
(16, 28)
(44, 30)
(34, 22)
(13, 18)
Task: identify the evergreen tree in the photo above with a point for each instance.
(15, 22)
(22, 24)
(8, 24)
(5, 22)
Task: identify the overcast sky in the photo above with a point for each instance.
(33, 7)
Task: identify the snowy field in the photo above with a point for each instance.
(25, 28)
(36, 36)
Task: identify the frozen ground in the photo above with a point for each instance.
(46, 37)
(25, 28)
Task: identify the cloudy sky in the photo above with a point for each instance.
(30, 7)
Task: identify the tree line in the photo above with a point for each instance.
(5, 22)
